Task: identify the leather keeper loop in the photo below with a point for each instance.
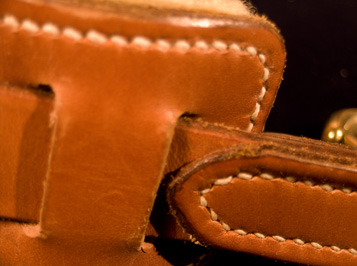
(262, 199)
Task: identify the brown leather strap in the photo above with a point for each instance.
(121, 79)
(283, 197)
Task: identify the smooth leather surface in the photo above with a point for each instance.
(275, 214)
(115, 109)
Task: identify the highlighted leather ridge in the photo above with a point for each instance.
(143, 42)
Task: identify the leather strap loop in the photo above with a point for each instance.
(284, 199)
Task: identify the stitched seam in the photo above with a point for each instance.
(266, 176)
(144, 43)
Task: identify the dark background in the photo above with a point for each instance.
(321, 72)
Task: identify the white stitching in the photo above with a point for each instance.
(262, 93)
(235, 47)
(50, 29)
(252, 51)
(203, 201)
(72, 34)
(347, 190)
(335, 248)
(96, 37)
(201, 45)
(266, 74)
(11, 21)
(145, 43)
(290, 179)
(223, 181)
(225, 226)
(279, 238)
(267, 176)
(353, 251)
(299, 241)
(309, 183)
(219, 45)
(214, 216)
(182, 45)
(163, 44)
(316, 245)
(142, 42)
(30, 26)
(245, 176)
(260, 235)
(327, 187)
(262, 58)
(241, 232)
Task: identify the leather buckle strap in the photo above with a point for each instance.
(283, 197)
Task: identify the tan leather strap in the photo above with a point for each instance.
(121, 79)
(283, 197)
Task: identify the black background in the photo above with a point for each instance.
(321, 72)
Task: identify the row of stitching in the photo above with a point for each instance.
(290, 179)
(267, 176)
(145, 43)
